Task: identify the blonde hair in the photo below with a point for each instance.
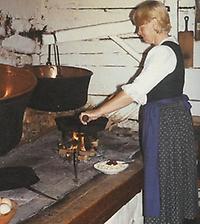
(148, 10)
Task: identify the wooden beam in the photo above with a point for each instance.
(89, 32)
(136, 56)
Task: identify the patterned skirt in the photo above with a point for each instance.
(176, 166)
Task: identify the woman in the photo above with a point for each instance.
(170, 180)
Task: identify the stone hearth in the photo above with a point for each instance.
(55, 173)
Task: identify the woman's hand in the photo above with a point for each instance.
(88, 116)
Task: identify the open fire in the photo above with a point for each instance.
(79, 143)
(78, 140)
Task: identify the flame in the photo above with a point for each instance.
(82, 143)
(76, 145)
(79, 137)
(75, 135)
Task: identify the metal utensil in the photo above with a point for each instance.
(132, 157)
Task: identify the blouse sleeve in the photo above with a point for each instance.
(160, 61)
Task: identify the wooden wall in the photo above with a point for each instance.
(111, 65)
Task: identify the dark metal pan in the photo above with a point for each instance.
(69, 123)
(20, 177)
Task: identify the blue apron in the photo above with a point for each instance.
(150, 146)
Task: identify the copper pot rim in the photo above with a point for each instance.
(28, 76)
(51, 71)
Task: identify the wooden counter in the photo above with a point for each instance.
(96, 201)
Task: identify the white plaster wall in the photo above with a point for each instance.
(15, 49)
(21, 8)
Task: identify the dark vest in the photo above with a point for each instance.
(172, 84)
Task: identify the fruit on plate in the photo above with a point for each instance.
(112, 162)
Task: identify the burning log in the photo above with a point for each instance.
(77, 142)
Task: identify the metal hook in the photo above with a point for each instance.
(49, 55)
(186, 18)
(56, 54)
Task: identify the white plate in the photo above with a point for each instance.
(110, 169)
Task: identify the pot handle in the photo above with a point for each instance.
(56, 54)
(49, 55)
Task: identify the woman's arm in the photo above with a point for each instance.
(118, 101)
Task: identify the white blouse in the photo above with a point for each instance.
(160, 61)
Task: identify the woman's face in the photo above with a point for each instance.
(147, 32)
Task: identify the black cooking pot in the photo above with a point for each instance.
(73, 123)
(59, 88)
